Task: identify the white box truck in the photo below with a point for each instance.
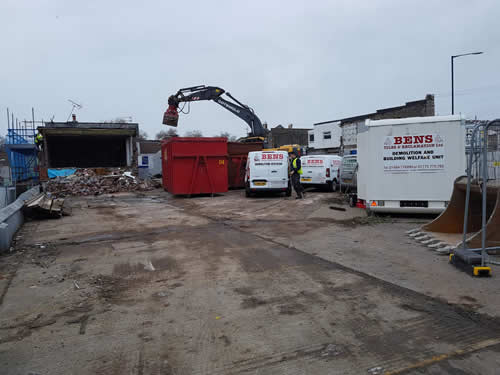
(409, 165)
(321, 171)
(267, 171)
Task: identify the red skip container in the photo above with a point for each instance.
(194, 165)
(238, 154)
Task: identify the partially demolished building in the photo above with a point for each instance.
(76, 144)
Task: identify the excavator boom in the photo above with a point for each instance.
(196, 93)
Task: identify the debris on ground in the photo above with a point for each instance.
(83, 324)
(375, 370)
(156, 182)
(44, 206)
(337, 208)
(331, 350)
(89, 181)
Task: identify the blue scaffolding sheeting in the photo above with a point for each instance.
(22, 153)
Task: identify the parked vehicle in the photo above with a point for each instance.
(410, 165)
(348, 173)
(321, 171)
(289, 148)
(267, 171)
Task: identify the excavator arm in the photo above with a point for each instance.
(196, 93)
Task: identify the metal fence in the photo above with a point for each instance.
(490, 145)
(483, 170)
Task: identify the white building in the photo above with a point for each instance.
(149, 158)
(325, 137)
(351, 126)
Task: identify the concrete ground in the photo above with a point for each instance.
(153, 284)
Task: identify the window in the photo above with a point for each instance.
(327, 135)
(311, 137)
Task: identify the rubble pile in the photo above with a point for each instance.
(44, 207)
(97, 181)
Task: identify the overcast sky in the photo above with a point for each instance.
(292, 61)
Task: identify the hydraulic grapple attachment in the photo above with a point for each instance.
(171, 117)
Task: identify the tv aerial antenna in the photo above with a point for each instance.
(74, 105)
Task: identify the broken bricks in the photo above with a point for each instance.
(97, 181)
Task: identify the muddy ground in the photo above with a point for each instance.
(154, 284)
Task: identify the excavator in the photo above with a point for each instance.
(258, 133)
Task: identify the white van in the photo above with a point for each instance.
(267, 171)
(321, 171)
(349, 173)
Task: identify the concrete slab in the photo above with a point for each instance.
(11, 218)
(437, 245)
(205, 294)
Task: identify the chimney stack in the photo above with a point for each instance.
(74, 117)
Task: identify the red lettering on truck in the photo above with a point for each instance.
(416, 139)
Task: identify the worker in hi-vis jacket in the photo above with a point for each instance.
(295, 173)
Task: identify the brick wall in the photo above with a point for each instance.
(418, 108)
(350, 126)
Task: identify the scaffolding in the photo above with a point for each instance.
(21, 150)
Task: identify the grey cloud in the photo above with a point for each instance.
(294, 61)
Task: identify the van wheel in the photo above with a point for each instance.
(332, 186)
(248, 193)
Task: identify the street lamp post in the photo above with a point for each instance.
(452, 83)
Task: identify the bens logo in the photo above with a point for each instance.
(272, 156)
(413, 139)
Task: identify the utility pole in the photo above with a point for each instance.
(452, 78)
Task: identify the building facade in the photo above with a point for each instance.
(88, 144)
(325, 138)
(149, 158)
(350, 126)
